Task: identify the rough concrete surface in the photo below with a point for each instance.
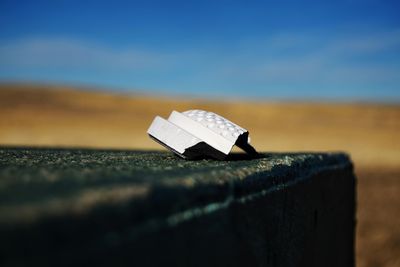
(117, 208)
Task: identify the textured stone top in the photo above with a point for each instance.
(143, 188)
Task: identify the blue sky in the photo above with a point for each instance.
(297, 50)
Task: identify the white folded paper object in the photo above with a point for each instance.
(199, 134)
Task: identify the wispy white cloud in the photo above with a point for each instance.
(306, 58)
(298, 58)
(368, 43)
(71, 53)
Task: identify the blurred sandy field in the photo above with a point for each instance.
(60, 116)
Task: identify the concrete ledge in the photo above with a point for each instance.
(86, 207)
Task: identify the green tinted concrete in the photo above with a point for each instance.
(79, 207)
